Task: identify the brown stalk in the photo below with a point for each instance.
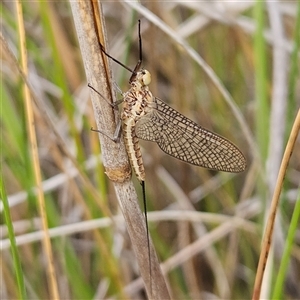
(51, 276)
(268, 234)
(91, 31)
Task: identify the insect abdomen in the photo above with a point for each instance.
(133, 148)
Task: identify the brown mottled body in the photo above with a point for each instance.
(138, 102)
(148, 118)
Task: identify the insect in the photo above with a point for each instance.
(148, 118)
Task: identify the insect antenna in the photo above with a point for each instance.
(139, 63)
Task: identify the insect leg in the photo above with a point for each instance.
(114, 104)
(116, 137)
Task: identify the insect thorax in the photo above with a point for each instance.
(138, 101)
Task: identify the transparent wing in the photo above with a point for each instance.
(182, 138)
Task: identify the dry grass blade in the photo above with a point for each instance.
(35, 158)
(267, 240)
(90, 28)
(231, 68)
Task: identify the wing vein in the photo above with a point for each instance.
(182, 138)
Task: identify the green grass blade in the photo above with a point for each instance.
(14, 248)
(286, 256)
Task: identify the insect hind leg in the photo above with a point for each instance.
(117, 134)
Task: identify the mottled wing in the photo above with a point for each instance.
(182, 138)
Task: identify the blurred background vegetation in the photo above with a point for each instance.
(253, 50)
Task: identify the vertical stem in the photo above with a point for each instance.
(51, 277)
(90, 29)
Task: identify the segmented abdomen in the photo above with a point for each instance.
(133, 148)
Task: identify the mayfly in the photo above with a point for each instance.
(148, 118)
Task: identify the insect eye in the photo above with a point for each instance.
(146, 77)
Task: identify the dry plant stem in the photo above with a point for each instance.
(59, 140)
(276, 129)
(267, 240)
(19, 197)
(35, 160)
(89, 26)
(158, 216)
(184, 204)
